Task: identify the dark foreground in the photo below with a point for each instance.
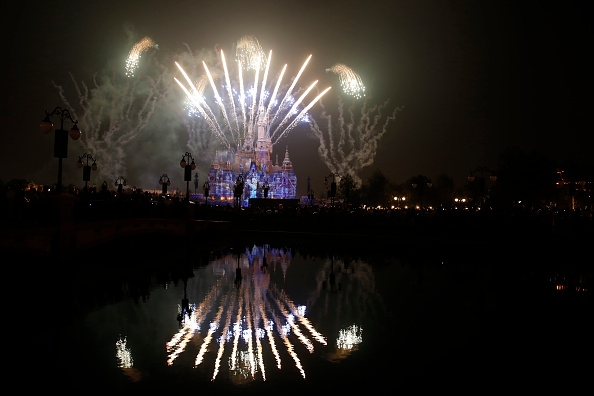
(460, 312)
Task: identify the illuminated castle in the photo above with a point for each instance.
(253, 165)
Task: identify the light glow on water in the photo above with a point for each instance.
(250, 317)
(350, 337)
(123, 353)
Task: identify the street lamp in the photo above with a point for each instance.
(86, 168)
(422, 189)
(61, 137)
(238, 277)
(482, 170)
(120, 183)
(238, 191)
(266, 188)
(332, 279)
(206, 187)
(188, 168)
(164, 182)
(332, 192)
(399, 200)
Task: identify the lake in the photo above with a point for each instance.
(279, 313)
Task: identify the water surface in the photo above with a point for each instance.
(269, 317)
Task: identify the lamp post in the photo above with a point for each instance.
(332, 191)
(332, 278)
(164, 182)
(483, 187)
(421, 187)
(266, 188)
(238, 277)
(86, 168)
(61, 137)
(120, 183)
(188, 168)
(238, 191)
(399, 200)
(206, 187)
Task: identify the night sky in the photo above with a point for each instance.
(474, 78)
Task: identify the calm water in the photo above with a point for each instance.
(306, 319)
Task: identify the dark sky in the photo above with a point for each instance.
(474, 77)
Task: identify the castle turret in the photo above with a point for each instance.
(252, 159)
(287, 164)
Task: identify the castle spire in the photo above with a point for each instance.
(287, 161)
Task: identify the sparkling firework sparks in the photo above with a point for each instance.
(249, 53)
(116, 109)
(232, 110)
(135, 52)
(349, 141)
(350, 81)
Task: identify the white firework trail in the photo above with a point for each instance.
(198, 104)
(288, 96)
(349, 138)
(350, 81)
(135, 53)
(199, 142)
(231, 109)
(115, 111)
(230, 92)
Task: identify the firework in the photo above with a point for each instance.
(135, 52)
(232, 109)
(349, 138)
(249, 53)
(115, 111)
(349, 80)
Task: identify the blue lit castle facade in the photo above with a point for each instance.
(251, 164)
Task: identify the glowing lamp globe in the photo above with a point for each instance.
(46, 125)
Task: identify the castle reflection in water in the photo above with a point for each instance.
(236, 317)
(261, 317)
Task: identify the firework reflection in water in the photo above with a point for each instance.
(240, 318)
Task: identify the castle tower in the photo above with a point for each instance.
(264, 143)
(252, 160)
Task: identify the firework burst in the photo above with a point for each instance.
(349, 138)
(232, 108)
(134, 55)
(350, 81)
(249, 53)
